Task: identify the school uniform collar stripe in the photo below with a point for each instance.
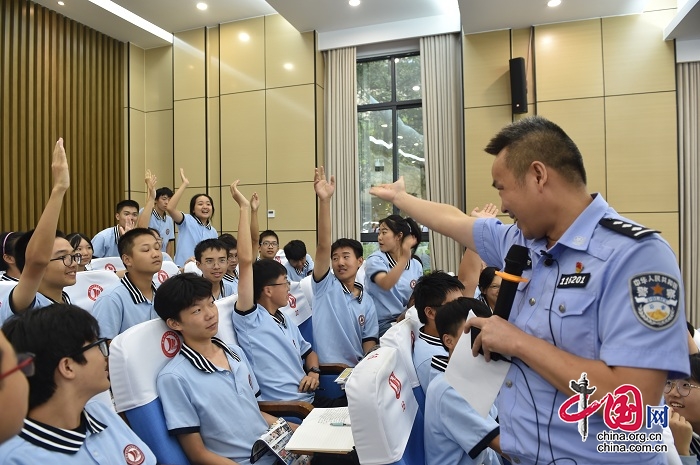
(439, 362)
(222, 292)
(695, 445)
(136, 295)
(116, 234)
(9, 278)
(65, 297)
(392, 262)
(300, 271)
(279, 318)
(357, 286)
(157, 216)
(231, 277)
(208, 225)
(57, 439)
(200, 362)
(432, 340)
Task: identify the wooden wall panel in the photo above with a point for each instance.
(59, 78)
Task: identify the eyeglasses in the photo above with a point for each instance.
(270, 244)
(683, 387)
(211, 263)
(101, 343)
(495, 287)
(68, 259)
(25, 364)
(286, 283)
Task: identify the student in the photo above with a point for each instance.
(14, 389)
(391, 272)
(8, 263)
(63, 425)
(208, 390)
(232, 270)
(81, 244)
(455, 433)
(131, 301)
(193, 227)
(211, 257)
(43, 256)
(269, 244)
(344, 322)
(105, 243)
(157, 204)
(431, 291)
(299, 264)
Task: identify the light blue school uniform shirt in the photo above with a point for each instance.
(275, 349)
(341, 321)
(104, 244)
(121, 307)
(103, 438)
(164, 226)
(226, 289)
(219, 404)
(425, 347)
(191, 232)
(609, 290)
(297, 275)
(454, 432)
(391, 303)
(232, 280)
(6, 310)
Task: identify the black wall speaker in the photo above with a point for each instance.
(518, 85)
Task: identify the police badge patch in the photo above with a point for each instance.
(655, 299)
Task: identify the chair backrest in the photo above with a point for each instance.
(299, 307)
(226, 332)
(107, 263)
(402, 336)
(382, 407)
(89, 285)
(191, 267)
(167, 270)
(136, 357)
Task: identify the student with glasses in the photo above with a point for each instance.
(63, 424)
(211, 257)
(45, 259)
(683, 398)
(269, 244)
(14, 389)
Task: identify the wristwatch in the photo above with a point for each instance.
(313, 370)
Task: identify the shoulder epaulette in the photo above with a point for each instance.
(632, 230)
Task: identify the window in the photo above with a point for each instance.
(390, 137)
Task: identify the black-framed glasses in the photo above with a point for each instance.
(270, 244)
(101, 343)
(68, 259)
(286, 283)
(25, 364)
(683, 387)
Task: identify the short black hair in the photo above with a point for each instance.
(126, 203)
(266, 272)
(431, 291)
(406, 226)
(178, 293)
(537, 139)
(76, 238)
(295, 250)
(206, 244)
(8, 240)
(161, 191)
(355, 245)
(268, 232)
(21, 247)
(451, 316)
(155, 233)
(126, 241)
(50, 333)
(486, 277)
(229, 240)
(193, 202)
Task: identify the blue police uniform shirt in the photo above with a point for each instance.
(425, 347)
(217, 403)
(232, 280)
(391, 303)
(603, 296)
(104, 244)
(191, 232)
(297, 275)
(121, 307)
(164, 226)
(454, 432)
(103, 438)
(342, 322)
(275, 349)
(6, 310)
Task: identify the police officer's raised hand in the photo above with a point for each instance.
(59, 167)
(389, 192)
(489, 211)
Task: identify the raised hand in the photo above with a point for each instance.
(185, 181)
(59, 167)
(324, 189)
(489, 211)
(151, 182)
(240, 199)
(409, 242)
(389, 192)
(130, 224)
(254, 202)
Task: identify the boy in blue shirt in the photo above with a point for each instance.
(455, 433)
(105, 243)
(63, 425)
(211, 257)
(344, 321)
(299, 264)
(232, 270)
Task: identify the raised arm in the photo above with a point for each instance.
(440, 217)
(40, 246)
(254, 225)
(144, 218)
(172, 209)
(245, 252)
(388, 280)
(324, 192)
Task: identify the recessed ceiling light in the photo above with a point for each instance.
(202, 6)
(288, 66)
(134, 19)
(553, 3)
(354, 2)
(61, 3)
(243, 37)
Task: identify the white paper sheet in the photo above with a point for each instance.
(316, 434)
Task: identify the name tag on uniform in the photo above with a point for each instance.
(573, 280)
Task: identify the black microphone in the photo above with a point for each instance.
(516, 261)
(549, 260)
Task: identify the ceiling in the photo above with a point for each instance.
(326, 16)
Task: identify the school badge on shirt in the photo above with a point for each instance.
(655, 299)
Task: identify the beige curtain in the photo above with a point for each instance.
(688, 75)
(341, 140)
(441, 73)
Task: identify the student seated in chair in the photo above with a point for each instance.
(14, 389)
(269, 244)
(299, 264)
(211, 257)
(455, 433)
(344, 321)
(232, 269)
(106, 242)
(208, 390)
(63, 425)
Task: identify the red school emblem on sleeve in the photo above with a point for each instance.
(133, 455)
(170, 344)
(94, 291)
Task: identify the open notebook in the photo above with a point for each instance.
(324, 430)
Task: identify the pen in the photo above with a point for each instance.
(339, 423)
